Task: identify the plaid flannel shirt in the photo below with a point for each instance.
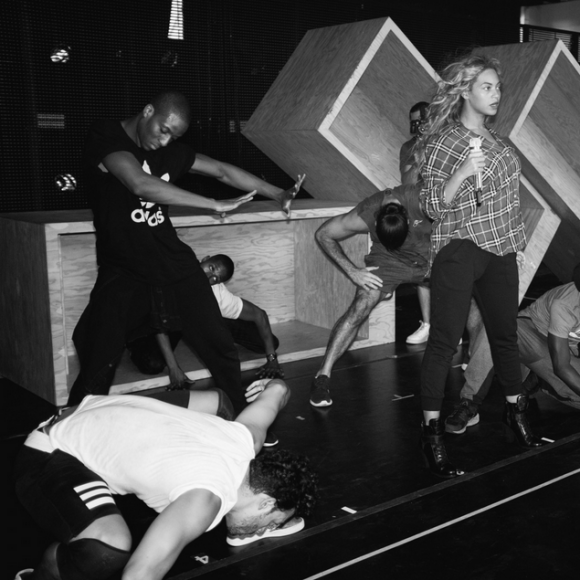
(496, 225)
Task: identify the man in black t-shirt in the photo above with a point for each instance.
(147, 275)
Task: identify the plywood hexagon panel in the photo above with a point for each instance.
(338, 110)
(540, 114)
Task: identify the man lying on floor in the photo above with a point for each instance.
(192, 467)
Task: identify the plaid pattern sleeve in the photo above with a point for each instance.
(496, 225)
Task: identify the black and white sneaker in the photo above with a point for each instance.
(271, 439)
(319, 392)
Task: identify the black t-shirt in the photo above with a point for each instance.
(135, 236)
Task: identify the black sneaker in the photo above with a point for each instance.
(464, 415)
(319, 392)
(271, 439)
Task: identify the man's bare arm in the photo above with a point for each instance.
(177, 378)
(331, 233)
(259, 317)
(185, 519)
(560, 355)
(125, 167)
(267, 398)
(241, 179)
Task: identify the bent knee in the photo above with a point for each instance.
(111, 530)
(365, 300)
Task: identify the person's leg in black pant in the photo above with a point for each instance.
(117, 305)
(496, 292)
(205, 331)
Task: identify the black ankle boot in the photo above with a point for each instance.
(434, 450)
(516, 419)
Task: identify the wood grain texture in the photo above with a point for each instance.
(540, 113)
(263, 255)
(524, 67)
(25, 336)
(323, 291)
(54, 261)
(314, 77)
(541, 227)
(339, 111)
(328, 175)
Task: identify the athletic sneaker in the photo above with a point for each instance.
(290, 527)
(271, 439)
(319, 392)
(24, 574)
(464, 415)
(420, 335)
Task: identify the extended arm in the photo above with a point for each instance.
(267, 398)
(125, 167)
(177, 378)
(259, 317)
(189, 516)
(331, 233)
(241, 179)
(560, 355)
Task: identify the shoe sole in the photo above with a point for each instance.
(321, 404)
(473, 421)
(415, 341)
(275, 533)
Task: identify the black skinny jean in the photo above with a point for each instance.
(462, 269)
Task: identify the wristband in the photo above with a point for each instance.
(271, 357)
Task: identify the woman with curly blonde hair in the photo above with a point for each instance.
(471, 191)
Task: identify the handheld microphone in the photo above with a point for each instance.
(475, 145)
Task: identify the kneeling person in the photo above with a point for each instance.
(400, 235)
(248, 323)
(191, 467)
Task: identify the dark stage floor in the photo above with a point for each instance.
(381, 514)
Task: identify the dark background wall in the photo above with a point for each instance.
(232, 51)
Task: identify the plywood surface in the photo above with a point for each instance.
(25, 331)
(323, 291)
(339, 111)
(313, 78)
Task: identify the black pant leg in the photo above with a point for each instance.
(116, 306)
(206, 332)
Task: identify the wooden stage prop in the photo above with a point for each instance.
(540, 114)
(50, 268)
(339, 111)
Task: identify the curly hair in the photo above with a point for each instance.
(286, 477)
(447, 104)
(392, 226)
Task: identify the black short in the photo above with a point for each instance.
(60, 493)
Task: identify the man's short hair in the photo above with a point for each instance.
(287, 478)
(421, 106)
(392, 226)
(226, 264)
(172, 102)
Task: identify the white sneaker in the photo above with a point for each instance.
(23, 574)
(291, 527)
(420, 335)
